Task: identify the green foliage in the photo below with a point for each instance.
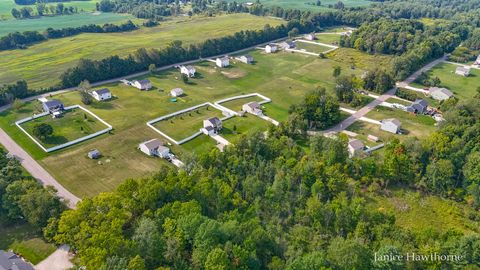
(42, 130)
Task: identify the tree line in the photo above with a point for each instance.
(42, 9)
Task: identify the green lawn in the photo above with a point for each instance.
(308, 4)
(184, 125)
(311, 47)
(6, 7)
(399, 101)
(236, 104)
(236, 127)
(73, 124)
(57, 22)
(42, 64)
(328, 38)
(462, 87)
(26, 241)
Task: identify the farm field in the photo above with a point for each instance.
(462, 87)
(73, 124)
(57, 22)
(293, 76)
(311, 47)
(42, 64)
(6, 7)
(328, 38)
(309, 4)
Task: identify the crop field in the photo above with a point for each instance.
(308, 4)
(57, 22)
(72, 125)
(292, 77)
(332, 39)
(42, 64)
(314, 48)
(6, 7)
(462, 87)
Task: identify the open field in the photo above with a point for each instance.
(332, 39)
(73, 124)
(7, 5)
(293, 76)
(462, 87)
(24, 239)
(42, 64)
(57, 22)
(236, 127)
(236, 104)
(311, 47)
(308, 4)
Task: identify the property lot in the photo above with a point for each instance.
(314, 48)
(236, 104)
(235, 127)
(332, 39)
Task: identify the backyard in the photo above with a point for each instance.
(332, 39)
(309, 47)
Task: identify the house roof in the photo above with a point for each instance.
(253, 105)
(53, 103)
(272, 45)
(224, 58)
(391, 120)
(248, 56)
(190, 68)
(421, 102)
(463, 69)
(214, 121)
(143, 82)
(162, 148)
(153, 144)
(102, 91)
(442, 90)
(356, 144)
(10, 261)
(94, 152)
(177, 90)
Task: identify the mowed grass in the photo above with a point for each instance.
(26, 241)
(283, 77)
(462, 87)
(308, 4)
(314, 48)
(186, 124)
(236, 104)
(57, 22)
(6, 7)
(332, 39)
(236, 127)
(73, 124)
(42, 64)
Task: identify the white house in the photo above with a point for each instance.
(463, 71)
(211, 126)
(247, 59)
(271, 48)
(253, 108)
(477, 62)
(440, 93)
(142, 84)
(101, 94)
(154, 147)
(391, 125)
(310, 36)
(222, 61)
(355, 147)
(188, 70)
(176, 92)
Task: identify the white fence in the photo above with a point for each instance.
(61, 146)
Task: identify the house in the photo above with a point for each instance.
(188, 70)
(142, 84)
(94, 154)
(247, 59)
(391, 125)
(212, 126)
(310, 36)
(11, 261)
(154, 147)
(176, 92)
(419, 106)
(271, 48)
(253, 108)
(477, 62)
(287, 44)
(222, 61)
(355, 147)
(440, 93)
(53, 106)
(463, 71)
(102, 94)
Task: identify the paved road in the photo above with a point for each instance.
(37, 171)
(425, 68)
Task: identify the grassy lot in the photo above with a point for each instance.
(328, 38)
(236, 127)
(462, 87)
(26, 241)
(419, 126)
(291, 78)
(308, 4)
(184, 125)
(311, 47)
(73, 124)
(7, 5)
(363, 129)
(236, 104)
(399, 101)
(42, 64)
(57, 22)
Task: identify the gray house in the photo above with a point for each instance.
(287, 44)
(52, 106)
(247, 59)
(391, 125)
(10, 261)
(212, 126)
(419, 106)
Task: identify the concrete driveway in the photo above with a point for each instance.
(58, 260)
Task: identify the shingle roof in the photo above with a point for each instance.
(356, 144)
(253, 105)
(10, 261)
(102, 91)
(215, 121)
(153, 144)
(393, 121)
(442, 90)
(144, 82)
(53, 103)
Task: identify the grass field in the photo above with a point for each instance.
(26, 241)
(291, 78)
(57, 22)
(42, 64)
(236, 104)
(311, 47)
(328, 38)
(308, 4)
(73, 124)
(236, 127)
(462, 87)
(6, 7)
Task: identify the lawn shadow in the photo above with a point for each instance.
(55, 140)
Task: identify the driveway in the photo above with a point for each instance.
(58, 260)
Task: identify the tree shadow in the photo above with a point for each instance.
(55, 139)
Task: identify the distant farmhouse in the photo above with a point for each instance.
(53, 107)
(10, 261)
(271, 48)
(463, 71)
(310, 36)
(391, 125)
(418, 107)
(287, 44)
(212, 126)
(440, 93)
(176, 92)
(154, 148)
(188, 70)
(247, 59)
(102, 94)
(222, 62)
(355, 147)
(253, 108)
(142, 84)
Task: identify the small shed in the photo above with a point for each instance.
(94, 154)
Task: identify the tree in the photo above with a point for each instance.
(185, 78)
(337, 70)
(217, 259)
(293, 33)
(40, 8)
(26, 12)
(15, 13)
(17, 104)
(344, 88)
(59, 9)
(42, 131)
(339, 5)
(136, 263)
(152, 68)
(148, 242)
(397, 165)
(318, 3)
(84, 88)
(440, 176)
(349, 254)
